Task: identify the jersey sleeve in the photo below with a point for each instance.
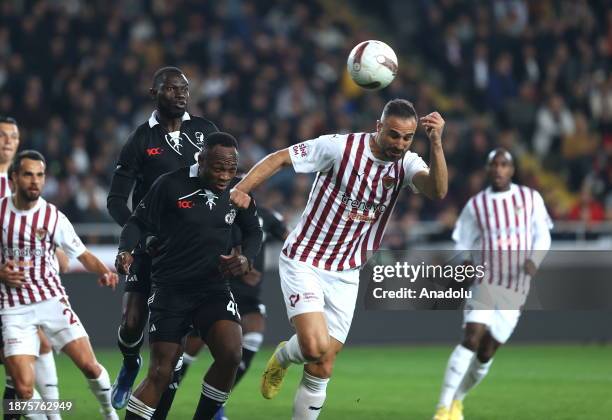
(131, 158)
(316, 155)
(150, 211)
(66, 238)
(467, 230)
(541, 225)
(413, 163)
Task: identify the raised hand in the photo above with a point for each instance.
(434, 126)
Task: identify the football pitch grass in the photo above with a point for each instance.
(395, 382)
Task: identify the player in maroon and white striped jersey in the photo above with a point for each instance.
(45, 370)
(31, 293)
(359, 177)
(505, 228)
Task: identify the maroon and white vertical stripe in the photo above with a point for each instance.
(505, 222)
(347, 210)
(5, 189)
(27, 244)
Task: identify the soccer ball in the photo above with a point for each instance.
(372, 65)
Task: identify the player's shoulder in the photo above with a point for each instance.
(201, 123)
(139, 133)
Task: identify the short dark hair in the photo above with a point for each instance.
(160, 74)
(7, 120)
(25, 154)
(221, 138)
(399, 108)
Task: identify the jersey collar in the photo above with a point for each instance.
(153, 120)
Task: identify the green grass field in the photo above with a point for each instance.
(525, 382)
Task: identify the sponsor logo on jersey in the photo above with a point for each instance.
(155, 151)
(300, 150)
(185, 204)
(361, 205)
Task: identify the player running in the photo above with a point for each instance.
(247, 291)
(506, 227)
(31, 292)
(169, 140)
(189, 210)
(359, 177)
(44, 367)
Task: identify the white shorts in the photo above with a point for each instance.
(500, 322)
(55, 316)
(310, 289)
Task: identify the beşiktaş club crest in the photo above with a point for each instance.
(230, 217)
(174, 142)
(41, 234)
(388, 182)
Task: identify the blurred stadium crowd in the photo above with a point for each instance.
(533, 76)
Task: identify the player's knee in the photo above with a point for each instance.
(314, 348)
(24, 391)
(486, 354)
(91, 369)
(132, 325)
(471, 342)
(45, 347)
(230, 358)
(161, 374)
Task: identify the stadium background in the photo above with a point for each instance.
(532, 76)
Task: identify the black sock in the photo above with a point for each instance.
(131, 353)
(167, 398)
(211, 400)
(10, 394)
(132, 416)
(247, 357)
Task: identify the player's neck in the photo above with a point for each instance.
(4, 167)
(501, 189)
(375, 149)
(169, 123)
(23, 205)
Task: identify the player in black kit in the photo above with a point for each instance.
(247, 291)
(188, 210)
(169, 140)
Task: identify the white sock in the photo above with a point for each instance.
(187, 359)
(100, 387)
(139, 408)
(46, 379)
(309, 397)
(32, 416)
(291, 353)
(474, 375)
(458, 365)
(252, 341)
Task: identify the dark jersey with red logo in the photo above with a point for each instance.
(193, 225)
(149, 152)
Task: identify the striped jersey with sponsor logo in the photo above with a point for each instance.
(28, 241)
(350, 202)
(4, 185)
(502, 230)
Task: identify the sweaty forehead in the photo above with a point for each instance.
(222, 155)
(401, 125)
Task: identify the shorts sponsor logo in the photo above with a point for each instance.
(293, 299)
(308, 296)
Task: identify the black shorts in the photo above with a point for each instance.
(248, 297)
(139, 278)
(249, 305)
(173, 314)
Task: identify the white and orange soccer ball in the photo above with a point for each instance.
(372, 65)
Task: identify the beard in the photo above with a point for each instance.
(170, 112)
(29, 196)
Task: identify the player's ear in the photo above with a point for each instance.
(378, 126)
(153, 92)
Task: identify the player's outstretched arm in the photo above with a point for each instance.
(262, 170)
(94, 265)
(434, 184)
